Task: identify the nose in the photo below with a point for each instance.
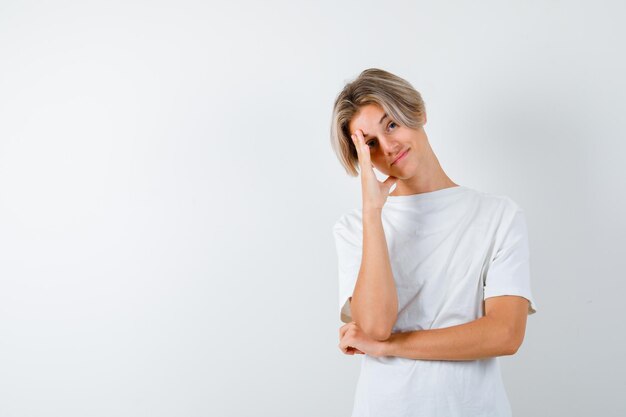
(388, 145)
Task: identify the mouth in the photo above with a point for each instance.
(401, 156)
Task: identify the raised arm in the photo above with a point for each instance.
(374, 302)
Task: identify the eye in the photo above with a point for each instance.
(370, 143)
(392, 123)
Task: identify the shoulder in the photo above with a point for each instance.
(509, 218)
(499, 211)
(349, 228)
(352, 220)
(500, 203)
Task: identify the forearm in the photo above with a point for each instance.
(374, 303)
(478, 339)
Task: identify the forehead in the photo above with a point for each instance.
(367, 118)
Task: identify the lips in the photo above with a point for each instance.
(399, 156)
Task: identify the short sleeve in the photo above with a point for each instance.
(348, 244)
(509, 268)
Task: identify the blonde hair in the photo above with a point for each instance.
(395, 95)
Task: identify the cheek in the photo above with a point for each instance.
(378, 161)
(381, 167)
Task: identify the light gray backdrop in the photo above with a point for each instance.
(167, 192)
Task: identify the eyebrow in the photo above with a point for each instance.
(379, 122)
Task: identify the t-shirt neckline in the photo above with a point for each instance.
(427, 195)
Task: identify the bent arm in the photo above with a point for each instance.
(499, 332)
(374, 302)
(478, 339)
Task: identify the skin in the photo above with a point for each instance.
(379, 141)
(378, 144)
(499, 332)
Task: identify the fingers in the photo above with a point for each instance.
(345, 347)
(344, 342)
(362, 149)
(343, 329)
(349, 350)
(365, 150)
(354, 351)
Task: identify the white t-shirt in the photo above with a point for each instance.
(449, 250)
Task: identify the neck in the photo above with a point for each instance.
(429, 176)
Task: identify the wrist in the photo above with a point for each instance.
(372, 216)
(373, 211)
(386, 347)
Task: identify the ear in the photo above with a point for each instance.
(425, 118)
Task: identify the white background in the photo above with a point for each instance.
(167, 192)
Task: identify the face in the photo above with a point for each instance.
(394, 149)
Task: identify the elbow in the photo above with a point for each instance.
(377, 330)
(377, 326)
(510, 350)
(514, 347)
(374, 329)
(514, 343)
(377, 333)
